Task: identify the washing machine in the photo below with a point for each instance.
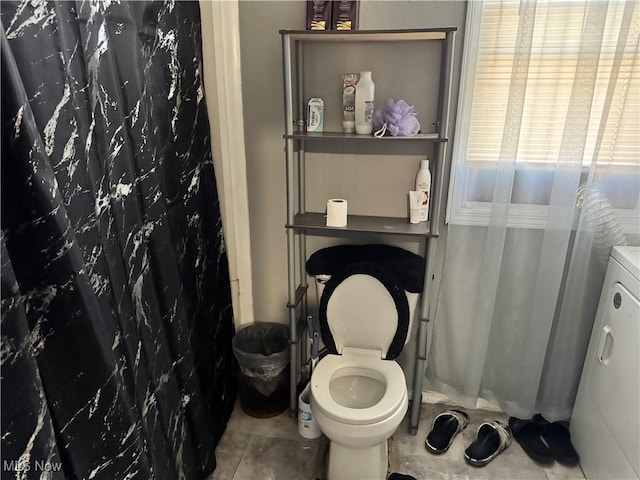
(605, 425)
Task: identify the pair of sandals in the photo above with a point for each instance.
(544, 442)
(491, 437)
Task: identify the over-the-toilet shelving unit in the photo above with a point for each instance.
(301, 223)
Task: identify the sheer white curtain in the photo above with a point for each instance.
(549, 107)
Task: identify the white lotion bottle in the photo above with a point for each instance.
(423, 184)
(365, 91)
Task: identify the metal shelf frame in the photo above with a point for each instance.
(301, 223)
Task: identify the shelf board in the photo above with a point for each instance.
(369, 35)
(320, 136)
(316, 223)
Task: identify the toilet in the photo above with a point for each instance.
(358, 391)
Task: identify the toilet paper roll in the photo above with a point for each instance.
(336, 212)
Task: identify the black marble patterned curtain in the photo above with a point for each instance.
(116, 309)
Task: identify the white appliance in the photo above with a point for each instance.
(605, 425)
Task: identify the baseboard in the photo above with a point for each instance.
(437, 397)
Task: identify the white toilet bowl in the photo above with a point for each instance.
(358, 391)
(358, 400)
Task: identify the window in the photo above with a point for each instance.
(559, 40)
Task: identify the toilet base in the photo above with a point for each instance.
(349, 463)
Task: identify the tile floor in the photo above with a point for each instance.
(271, 449)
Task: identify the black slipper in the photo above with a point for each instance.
(445, 427)
(527, 434)
(400, 476)
(491, 439)
(557, 436)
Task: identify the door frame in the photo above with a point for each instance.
(223, 86)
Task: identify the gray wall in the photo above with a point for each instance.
(374, 183)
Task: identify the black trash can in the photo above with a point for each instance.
(262, 351)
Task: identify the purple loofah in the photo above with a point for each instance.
(397, 119)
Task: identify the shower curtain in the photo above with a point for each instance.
(116, 307)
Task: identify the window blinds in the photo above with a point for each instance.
(613, 136)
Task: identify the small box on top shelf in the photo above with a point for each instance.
(319, 14)
(344, 15)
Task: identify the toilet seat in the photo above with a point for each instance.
(381, 322)
(360, 362)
